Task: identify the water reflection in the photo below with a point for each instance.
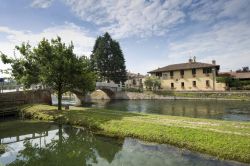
(226, 110)
(65, 145)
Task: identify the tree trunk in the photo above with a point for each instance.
(59, 105)
(60, 135)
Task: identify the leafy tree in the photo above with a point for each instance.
(107, 59)
(152, 83)
(244, 69)
(230, 82)
(53, 65)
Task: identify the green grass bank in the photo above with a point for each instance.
(2, 148)
(223, 139)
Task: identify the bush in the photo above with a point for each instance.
(152, 83)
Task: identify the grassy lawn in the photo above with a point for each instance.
(223, 139)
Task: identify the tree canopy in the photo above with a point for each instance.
(152, 83)
(53, 65)
(107, 60)
(244, 69)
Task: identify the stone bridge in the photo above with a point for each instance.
(44, 96)
(111, 89)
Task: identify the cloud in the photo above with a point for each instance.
(227, 42)
(133, 17)
(212, 10)
(68, 32)
(83, 43)
(146, 18)
(41, 3)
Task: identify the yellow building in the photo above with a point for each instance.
(191, 76)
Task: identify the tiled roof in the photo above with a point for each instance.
(239, 75)
(133, 75)
(184, 66)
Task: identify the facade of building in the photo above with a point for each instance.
(134, 80)
(191, 76)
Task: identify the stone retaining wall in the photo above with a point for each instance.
(173, 96)
(27, 97)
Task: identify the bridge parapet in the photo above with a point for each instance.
(110, 86)
(105, 84)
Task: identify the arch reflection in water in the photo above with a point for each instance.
(211, 109)
(66, 146)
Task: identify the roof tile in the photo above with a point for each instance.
(184, 66)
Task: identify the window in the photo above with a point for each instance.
(158, 74)
(182, 85)
(194, 71)
(207, 83)
(194, 83)
(204, 70)
(165, 76)
(171, 74)
(182, 73)
(140, 83)
(172, 85)
(134, 82)
(207, 70)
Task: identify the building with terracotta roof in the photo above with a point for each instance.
(134, 80)
(190, 76)
(236, 75)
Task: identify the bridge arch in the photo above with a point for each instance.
(110, 89)
(108, 94)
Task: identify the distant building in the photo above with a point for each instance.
(236, 75)
(191, 76)
(134, 80)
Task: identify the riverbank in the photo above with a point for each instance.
(2, 148)
(223, 139)
(175, 95)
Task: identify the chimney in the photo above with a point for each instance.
(194, 58)
(190, 60)
(213, 62)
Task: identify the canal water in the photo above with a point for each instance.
(211, 109)
(33, 143)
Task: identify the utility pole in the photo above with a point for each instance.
(213, 70)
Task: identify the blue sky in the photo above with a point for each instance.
(152, 33)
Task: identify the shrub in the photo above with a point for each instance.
(152, 83)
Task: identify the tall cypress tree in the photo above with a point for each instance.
(107, 60)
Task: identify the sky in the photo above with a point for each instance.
(152, 33)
